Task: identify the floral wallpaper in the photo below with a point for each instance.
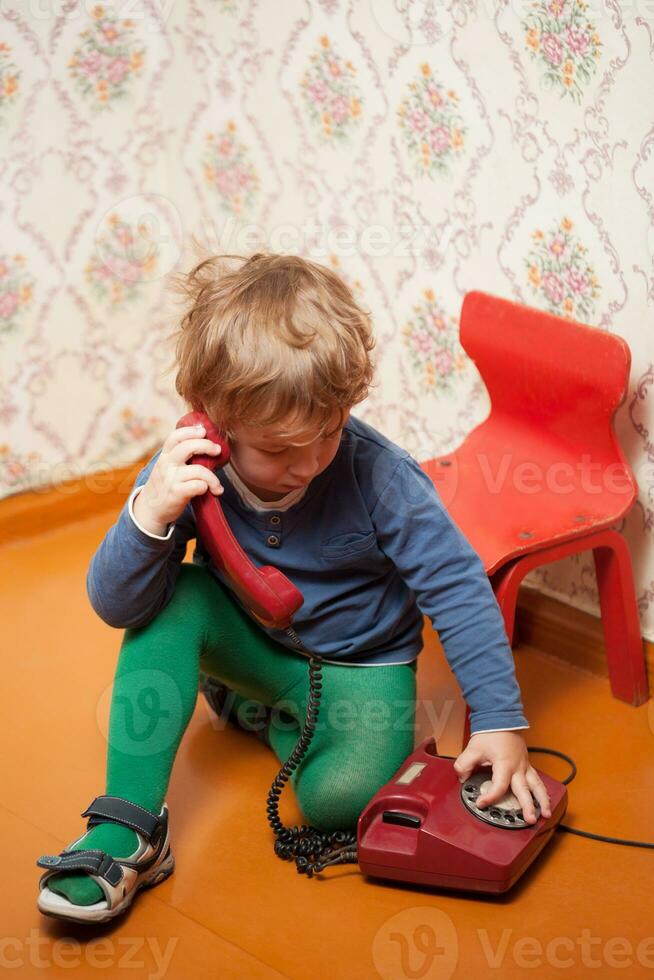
(421, 148)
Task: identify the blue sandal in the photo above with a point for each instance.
(119, 878)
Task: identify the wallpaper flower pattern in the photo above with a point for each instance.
(559, 274)
(420, 149)
(330, 92)
(115, 271)
(433, 131)
(227, 169)
(566, 42)
(106, 60)
(9, 79)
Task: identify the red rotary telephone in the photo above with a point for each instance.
(266, 591)
(424, 826)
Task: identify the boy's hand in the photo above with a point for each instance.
(172, 483)
(507, 753)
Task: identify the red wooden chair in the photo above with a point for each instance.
(544, 476)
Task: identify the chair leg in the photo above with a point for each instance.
(617, 594)
(506, 584)
(466, 729)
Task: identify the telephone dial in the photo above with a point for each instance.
(423, 826)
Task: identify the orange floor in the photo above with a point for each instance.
(232, 909)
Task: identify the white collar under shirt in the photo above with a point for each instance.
(251, 500)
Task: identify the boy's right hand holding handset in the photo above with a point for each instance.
(172, 483)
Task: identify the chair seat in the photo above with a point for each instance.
(513, 489)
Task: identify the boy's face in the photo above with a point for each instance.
(271, 466)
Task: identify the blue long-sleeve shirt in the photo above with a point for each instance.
(370, 546)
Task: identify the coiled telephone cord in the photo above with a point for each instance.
(311, 849)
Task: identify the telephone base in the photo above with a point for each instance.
(417, 828)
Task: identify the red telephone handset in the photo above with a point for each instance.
(266, 591)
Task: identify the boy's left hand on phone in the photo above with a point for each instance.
(507, 753)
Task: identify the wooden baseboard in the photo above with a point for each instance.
(565, 632)
(24, 515)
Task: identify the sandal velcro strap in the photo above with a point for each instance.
(116, 810)
(97, 862)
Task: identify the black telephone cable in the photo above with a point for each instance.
(587, 833)
(311, 849)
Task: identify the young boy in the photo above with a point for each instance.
(275, 350)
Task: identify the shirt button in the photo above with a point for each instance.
(275, 519)
(273, 540)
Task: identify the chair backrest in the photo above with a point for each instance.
(560, 375)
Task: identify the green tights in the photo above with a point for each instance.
(365, 727)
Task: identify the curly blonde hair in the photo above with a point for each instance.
(271, 340)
